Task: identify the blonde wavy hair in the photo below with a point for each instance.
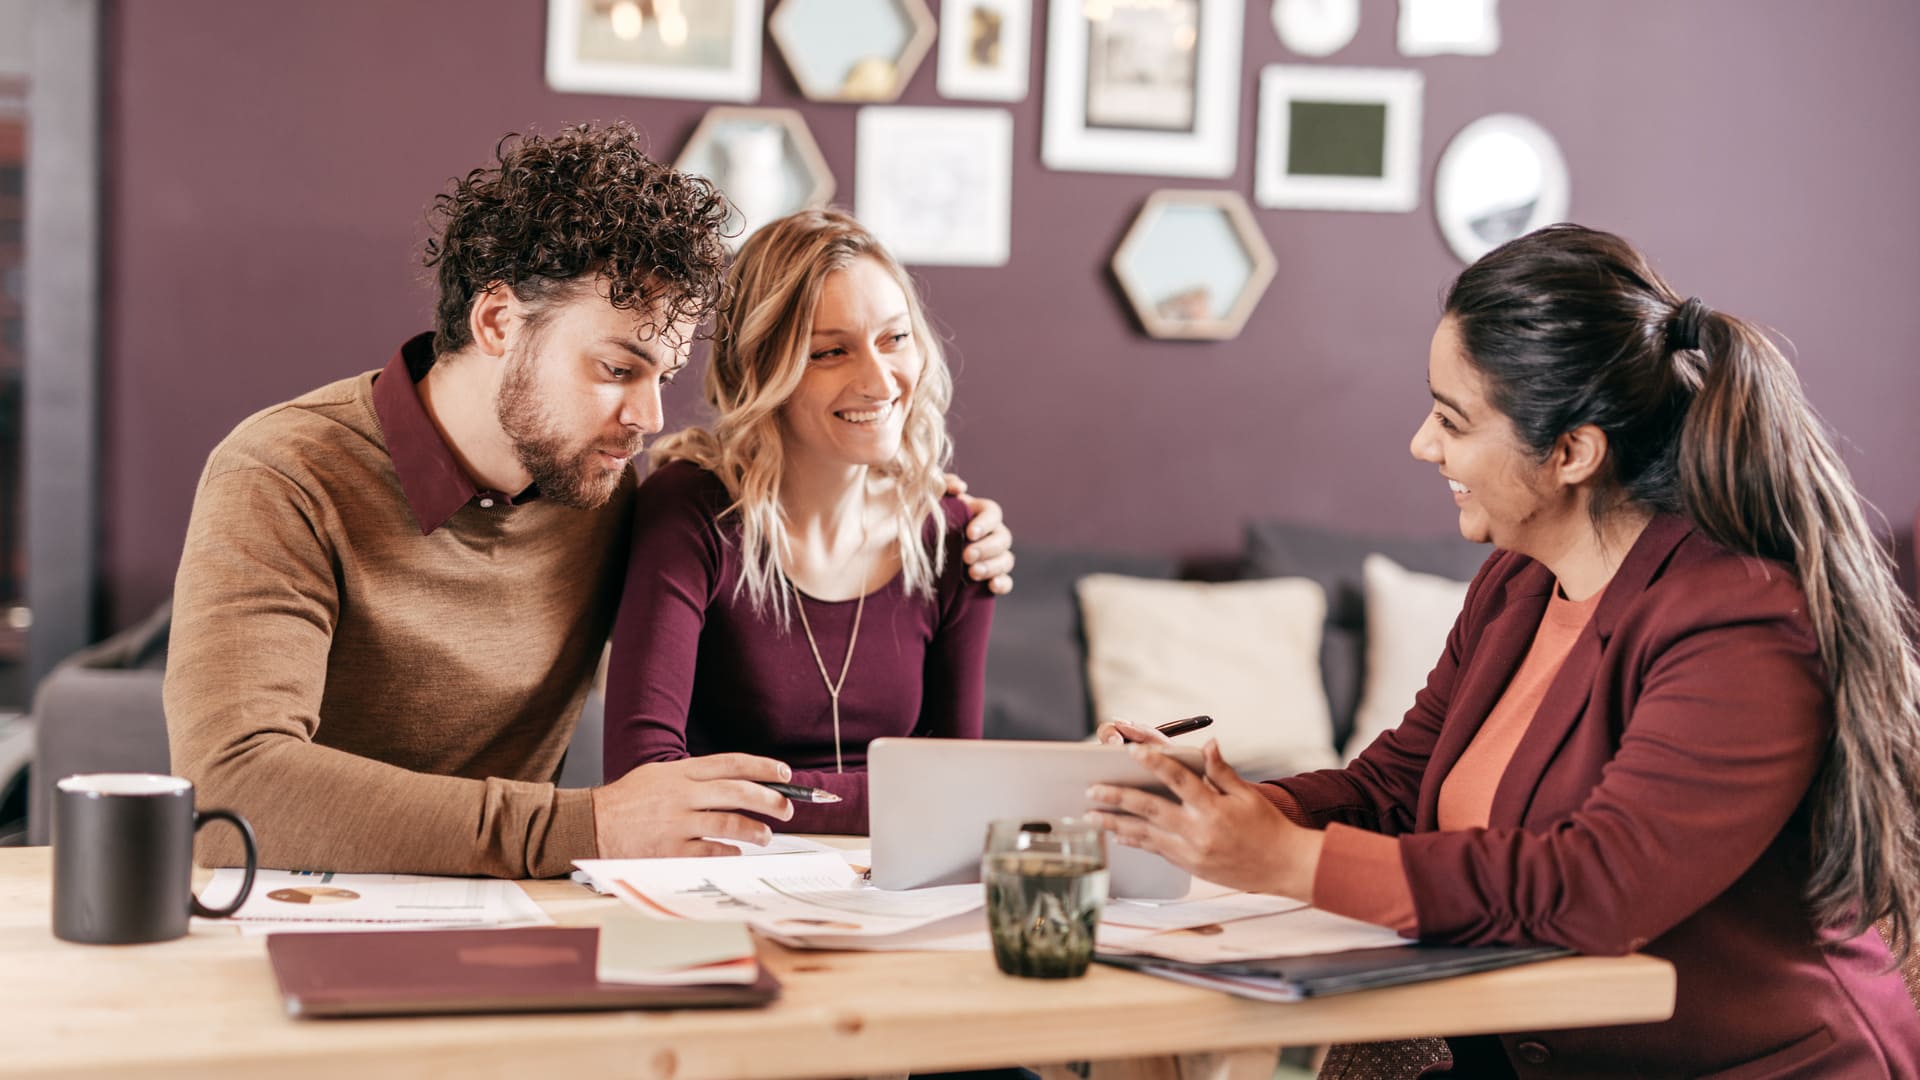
(760, 345)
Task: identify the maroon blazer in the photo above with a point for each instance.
(1658, 802)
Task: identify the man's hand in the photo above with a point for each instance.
(989, 552)
(665, 808)
(1222, 829)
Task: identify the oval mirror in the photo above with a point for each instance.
(1316, 27)
(1500, 178)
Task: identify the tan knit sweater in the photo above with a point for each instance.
(370, 698)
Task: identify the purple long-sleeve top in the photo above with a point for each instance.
(696, 671)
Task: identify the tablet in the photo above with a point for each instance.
(929, 802)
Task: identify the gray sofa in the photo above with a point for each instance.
(100, 710)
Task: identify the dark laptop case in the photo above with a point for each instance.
(526, 969)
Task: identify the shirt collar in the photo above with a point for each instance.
(432, 479)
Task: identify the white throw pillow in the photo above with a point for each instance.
(1246, 653)
(1408, 618)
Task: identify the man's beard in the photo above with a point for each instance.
(569, 475)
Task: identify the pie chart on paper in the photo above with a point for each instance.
(313, 894)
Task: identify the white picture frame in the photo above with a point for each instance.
(722, 39)
(1306, 156)
(1459, 27)
(986, 48)
(936, 184)
(1145, 109)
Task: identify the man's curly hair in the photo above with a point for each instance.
(587, 200)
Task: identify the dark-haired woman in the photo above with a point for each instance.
(1677, 713)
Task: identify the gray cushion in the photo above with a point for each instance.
(1332, 558)
(1036, 657)
(581, 767)
(99, 711)
(93, 720)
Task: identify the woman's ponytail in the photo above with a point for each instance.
(1759, 475)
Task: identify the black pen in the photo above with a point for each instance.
(1181, 727)
(800, 793)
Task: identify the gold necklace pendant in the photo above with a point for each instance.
(833, 686)
(853, 636)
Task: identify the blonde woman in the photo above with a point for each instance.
(796, 588)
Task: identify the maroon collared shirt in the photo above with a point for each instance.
(435, 484)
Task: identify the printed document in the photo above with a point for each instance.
(322, 900)
(816, 895)
(1299, 931)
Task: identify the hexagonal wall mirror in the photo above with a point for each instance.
(852, 50)
(1194, 265)
(764, 160)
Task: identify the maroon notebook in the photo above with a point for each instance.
(527, 969)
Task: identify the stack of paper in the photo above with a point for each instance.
(781, 844)
(822, 900)
(1297, 930)
(1194, 913)
(809, 900)
(322, 900)
(1261, 947)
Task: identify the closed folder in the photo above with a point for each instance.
(1291, 978)
(526, 969)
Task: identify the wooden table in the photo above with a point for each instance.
(206, 1006)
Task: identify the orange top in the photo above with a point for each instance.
(1359, 873)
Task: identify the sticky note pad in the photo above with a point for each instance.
(637, 949)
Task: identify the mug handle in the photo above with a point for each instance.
(253, 862)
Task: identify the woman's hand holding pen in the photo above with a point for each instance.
(1119, 733)
(1221, 829)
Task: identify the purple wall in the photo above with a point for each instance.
(272, 165)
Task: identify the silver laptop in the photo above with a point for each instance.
(929, 802)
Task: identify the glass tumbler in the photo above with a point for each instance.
(1045, 882)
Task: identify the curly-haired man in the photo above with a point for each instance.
(395, 588)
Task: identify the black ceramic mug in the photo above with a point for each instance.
(123, 858)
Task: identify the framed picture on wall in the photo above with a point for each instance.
(1193, 265)
(1338, 139)
(852, 50)
(936, 185)
(985, 49)
(1143, 86)
(1502, 177)
(1432, 27)
(764, 160)
(703, 49)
